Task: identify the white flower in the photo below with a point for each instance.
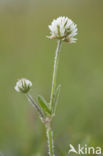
(63, 28)
(23, 85)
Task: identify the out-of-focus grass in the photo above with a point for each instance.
(26, 52)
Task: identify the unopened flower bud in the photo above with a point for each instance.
(23, 85)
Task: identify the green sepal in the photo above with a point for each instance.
(58, 29)
(44, 104)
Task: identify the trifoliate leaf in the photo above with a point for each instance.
(57, 93)
(44, 105)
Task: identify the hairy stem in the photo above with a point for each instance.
(36, 106)
(50, 142)
(49, 129)
(55, 73)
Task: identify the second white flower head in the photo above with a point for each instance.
(23, 85)
(63, 28)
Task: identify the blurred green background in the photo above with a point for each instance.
(26, 52)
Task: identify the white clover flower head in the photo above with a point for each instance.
(63, 28)
(23, 85)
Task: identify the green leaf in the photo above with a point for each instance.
(57, 93)
(43, 104)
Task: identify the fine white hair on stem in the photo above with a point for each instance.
(49, 133)
(36, 106)
(63, 28)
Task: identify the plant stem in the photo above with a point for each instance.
(55, 73)
(49, 128)
(50, 142)
(36, 106)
